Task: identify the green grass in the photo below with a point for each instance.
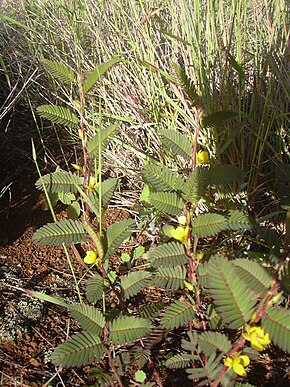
(235, 53)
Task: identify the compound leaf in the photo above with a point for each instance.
(133, 282)
(79, 350)
(59, 71)
(126, 329)
(181, 360)
(211, 342)
(95, 74)
(167, 202)
(101, 139)
(170, 277)
(95, 288)
(66, 231)
(254, 275)
(59, 182)
(176, 141)
(193, 187)
(59, 115)
(233, 299)
(177, 314)
(206, 225)
(90, 318)
(277, 323)
(237, 220)
(117, 233)
(167, 255)
(223, 174)
(161, 178)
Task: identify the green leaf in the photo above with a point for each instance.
(276, 322)
(223, 174)
(211, 342)
(59, 71)
(81, 349)
(177, 142)
(59, 182)
(66, 198)
(73, 211)
(89, 318)
(151, 310)
(188, 85)
(235, 65)
(138, 252)
(193, 187)
(161, 178)
(45, 297)
(64, 231)
(167, 202)
(101, 139)
(106, 189)
(177, 314)
(59, 115)
(141, 356)
(233, 299)
(202, 274)
(133, 282)
(53, 199)
(212, 317)
(128, 329)
(170, 277)
(95, 288)
(140, 376)
(212, 368)
(237, 220)
(144, 196)
(95, 75)
(98, 242)
(254, 275)
(206, 225)
(117, 233)
(285, 277)
(181, 360)
(104, 378)
(217, 117)
(125, 257)
(167, 255)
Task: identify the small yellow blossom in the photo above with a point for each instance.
(91, 257)
(202, 157)
(181, 234)
(92, 184)
(237, 363)
(257, 337)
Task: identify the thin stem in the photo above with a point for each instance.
(109, 354)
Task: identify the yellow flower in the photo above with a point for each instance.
(92, 184)
(180, 233)
(257, 337)
(91, 257)
(202, 157)
(237, 363)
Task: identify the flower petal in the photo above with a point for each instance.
(228, 362)
(239, 369)
(90, 257)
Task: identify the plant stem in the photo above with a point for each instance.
(109, 354)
